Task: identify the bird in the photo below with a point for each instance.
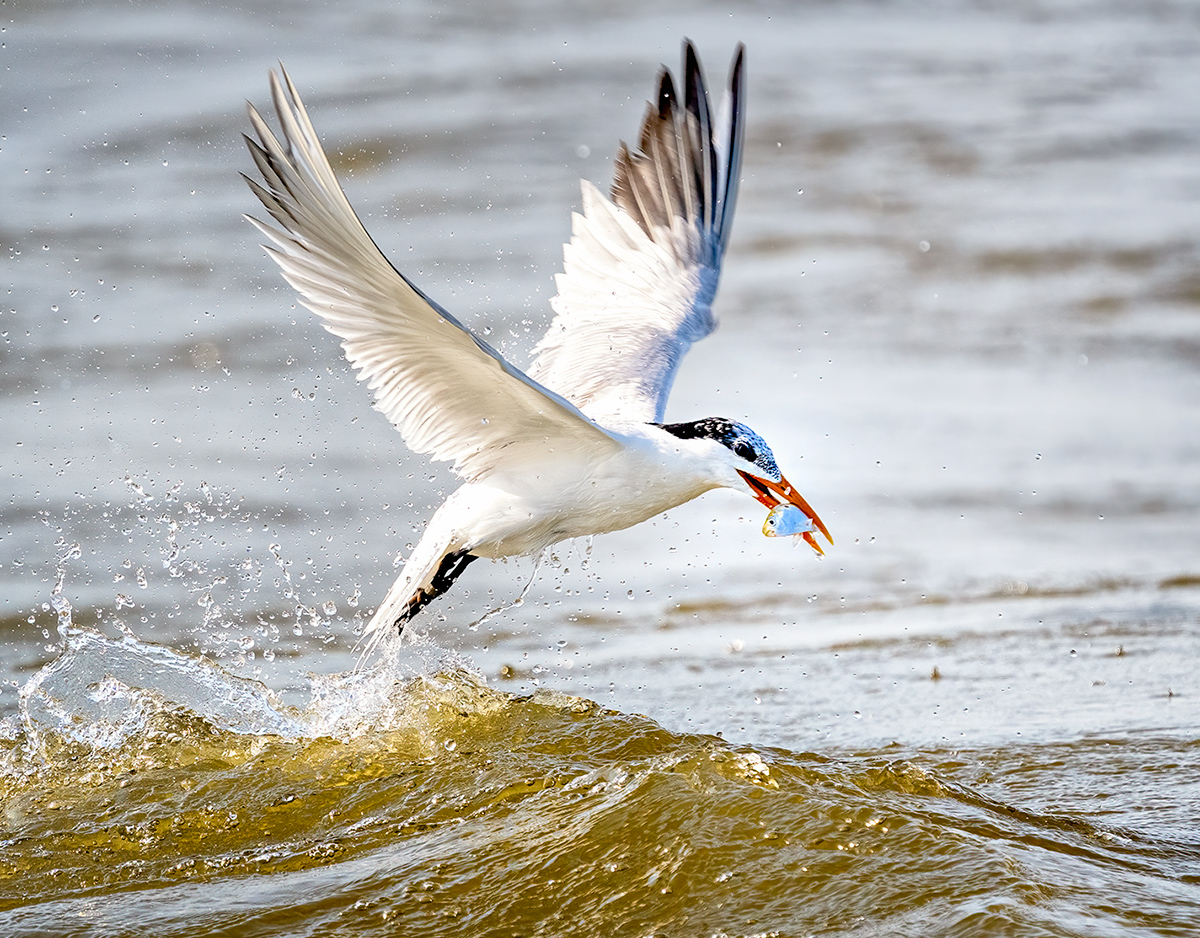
(575, 445)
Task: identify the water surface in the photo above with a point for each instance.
(961, 303)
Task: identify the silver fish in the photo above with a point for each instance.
(785, 520)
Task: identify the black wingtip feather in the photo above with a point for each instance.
(676, 172)
(736, 141)
(666, 95)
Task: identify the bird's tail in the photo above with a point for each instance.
(435, 564)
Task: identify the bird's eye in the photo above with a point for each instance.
(746, 451)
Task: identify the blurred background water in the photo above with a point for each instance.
(962, 303)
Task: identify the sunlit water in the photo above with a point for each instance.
(961, 303)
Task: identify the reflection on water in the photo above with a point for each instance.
(962, 297)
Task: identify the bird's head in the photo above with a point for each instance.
(743, 457)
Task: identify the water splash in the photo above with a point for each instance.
(176, 540)
(104, 690)
(519, 601)
(101, 692)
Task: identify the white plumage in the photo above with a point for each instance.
(628, 307)
(575, 447)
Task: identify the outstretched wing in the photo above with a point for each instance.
(447, 391)
(639, 276)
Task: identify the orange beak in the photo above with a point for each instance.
(776, 493)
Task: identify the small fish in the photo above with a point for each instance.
(785, 520)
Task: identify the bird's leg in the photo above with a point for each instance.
(449, 570)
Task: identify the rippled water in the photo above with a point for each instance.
(463, 809)
(962, 305)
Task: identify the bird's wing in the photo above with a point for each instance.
(447, 391)
(639, 276)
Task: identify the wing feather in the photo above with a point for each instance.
(448, 392)
(640, 272)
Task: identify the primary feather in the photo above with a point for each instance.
(448, 392)
(640, 272)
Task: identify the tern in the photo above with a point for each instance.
(575, 445)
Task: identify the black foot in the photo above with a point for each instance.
(448, 571)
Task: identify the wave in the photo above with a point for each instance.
(146, 791)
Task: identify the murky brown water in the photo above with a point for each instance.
(962, 305)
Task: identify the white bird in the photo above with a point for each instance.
(575, 446)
